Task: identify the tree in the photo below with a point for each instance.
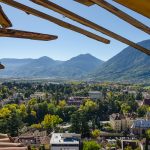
(147, 139)
(139, 96)
(148, 133)
(90, 109)
(14, 123)
(65, 112)
(62, 103)
(51, 121)
(11, 124)
(36, 126)
(42, 110)
(80, 124)
(91, 145)
(142, 111)
(96, 133)
(128, 148)
(85, 130)
(75, 121)
(42, 147)
(125, 108)
(10, 119)
(32, 101)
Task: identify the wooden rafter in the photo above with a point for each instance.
(85, 2)
(54, 20)
(114, 10)
(4, 21)
(88, 23)
(1, 66)
(119, 13)
(26, 35)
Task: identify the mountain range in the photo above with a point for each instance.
(129, 65)
(46, 67)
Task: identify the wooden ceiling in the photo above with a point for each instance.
(67, 13)
(140, 6)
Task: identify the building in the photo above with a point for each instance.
(39, 95)
(131, 143)
(94, 95)
(27, 140)
(120, 122)
(76, 100)
(146, 95)
(146, 102)
(140, 126)
(65, 141)
(33, 138)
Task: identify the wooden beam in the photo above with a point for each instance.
(4, 144)
(54, 20)
(2, 66)
(85, 2)
(88, 23)
(14, 148)
(114, 10)
(26, 35)
(3, 135)
(4, 21)
(5, 140)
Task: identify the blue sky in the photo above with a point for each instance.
(69, 43)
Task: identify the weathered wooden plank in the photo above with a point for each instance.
(54, 20)
(26, 35)
(4, 21)
(88, 23)
(114, 10)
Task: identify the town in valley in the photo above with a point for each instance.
(76, 115)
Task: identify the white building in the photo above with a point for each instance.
(95, 95)
(65, 141)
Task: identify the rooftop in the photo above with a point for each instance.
(141, 123)
(117, 116)
(65, 138)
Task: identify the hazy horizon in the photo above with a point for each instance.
(52, 57)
